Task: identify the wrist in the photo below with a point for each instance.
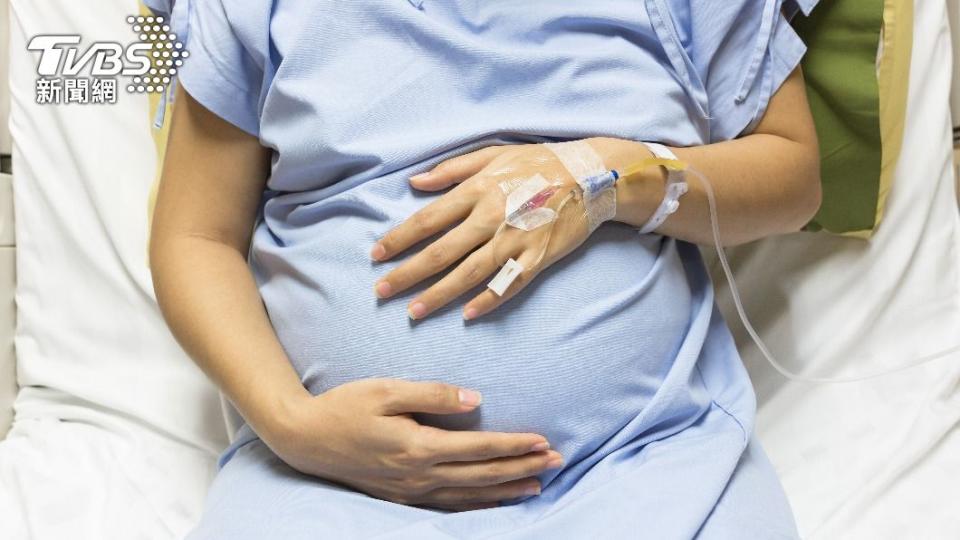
(274, 413)
(639, 195)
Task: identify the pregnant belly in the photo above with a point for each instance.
(574, 357)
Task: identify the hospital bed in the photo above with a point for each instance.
(115, 432)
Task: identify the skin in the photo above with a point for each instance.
(749, 205)
(362, 434)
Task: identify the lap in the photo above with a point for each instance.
(753, 505)
(257, 495)
(700, 481)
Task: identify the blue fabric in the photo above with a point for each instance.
(616, 354)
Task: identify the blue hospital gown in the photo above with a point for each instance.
(617, 354)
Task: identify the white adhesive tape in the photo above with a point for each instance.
(583, 162)
(505, 277)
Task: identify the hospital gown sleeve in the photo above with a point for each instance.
(225, 71)
(743, 51)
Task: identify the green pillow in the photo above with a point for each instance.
(842, 37)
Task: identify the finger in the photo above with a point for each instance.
(495, 471)
(455, 170)
(508, 490)
(462, 507)
(424, 223)
(473, 271)
(444, 446)
(401, 396)
(445, 251)
(487, 301)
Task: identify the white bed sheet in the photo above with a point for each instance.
(79, 481)
(877, 459)
(116, 431)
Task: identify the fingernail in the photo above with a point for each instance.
(383, 289)
(421, 176)
(555, 463)
(417, 310)
(377, 252)
(532, 490)
(470, 313)
(540, 446)
(470, 397)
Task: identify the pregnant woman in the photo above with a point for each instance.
(324, 234)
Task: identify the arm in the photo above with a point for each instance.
(359, 434)
(765, 183)
(212, 182)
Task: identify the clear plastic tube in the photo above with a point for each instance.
(627, 175)
(764, 350)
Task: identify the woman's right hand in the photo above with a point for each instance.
(362, 434)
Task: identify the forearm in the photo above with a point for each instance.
(210, 301)
(764, 185)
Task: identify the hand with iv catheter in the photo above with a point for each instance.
(765, 183)
(761, 184)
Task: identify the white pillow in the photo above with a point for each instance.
(91, 344)
(844, 452)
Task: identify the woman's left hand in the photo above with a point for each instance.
(475, 208)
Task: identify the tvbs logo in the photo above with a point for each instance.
(60, 56)
(149, 63)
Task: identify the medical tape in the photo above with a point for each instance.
(587, 169)
(505, 277)
(675, 188)
(526, 197)
(583, 163)
(525, 203)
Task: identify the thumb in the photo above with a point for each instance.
(428, 397)
(455, 170)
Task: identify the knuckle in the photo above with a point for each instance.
(497, 472)
(526, 275)
(439, 394)
(416, 485)
(537, 466)
(436, 254)
(490, 219)
(415, 456)
(473, 273)
(403, 277)
(471, 189)
(426, 437)
(405, 459)
(387, 392)
(486, 449)
(423, 220)
(447, 167)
